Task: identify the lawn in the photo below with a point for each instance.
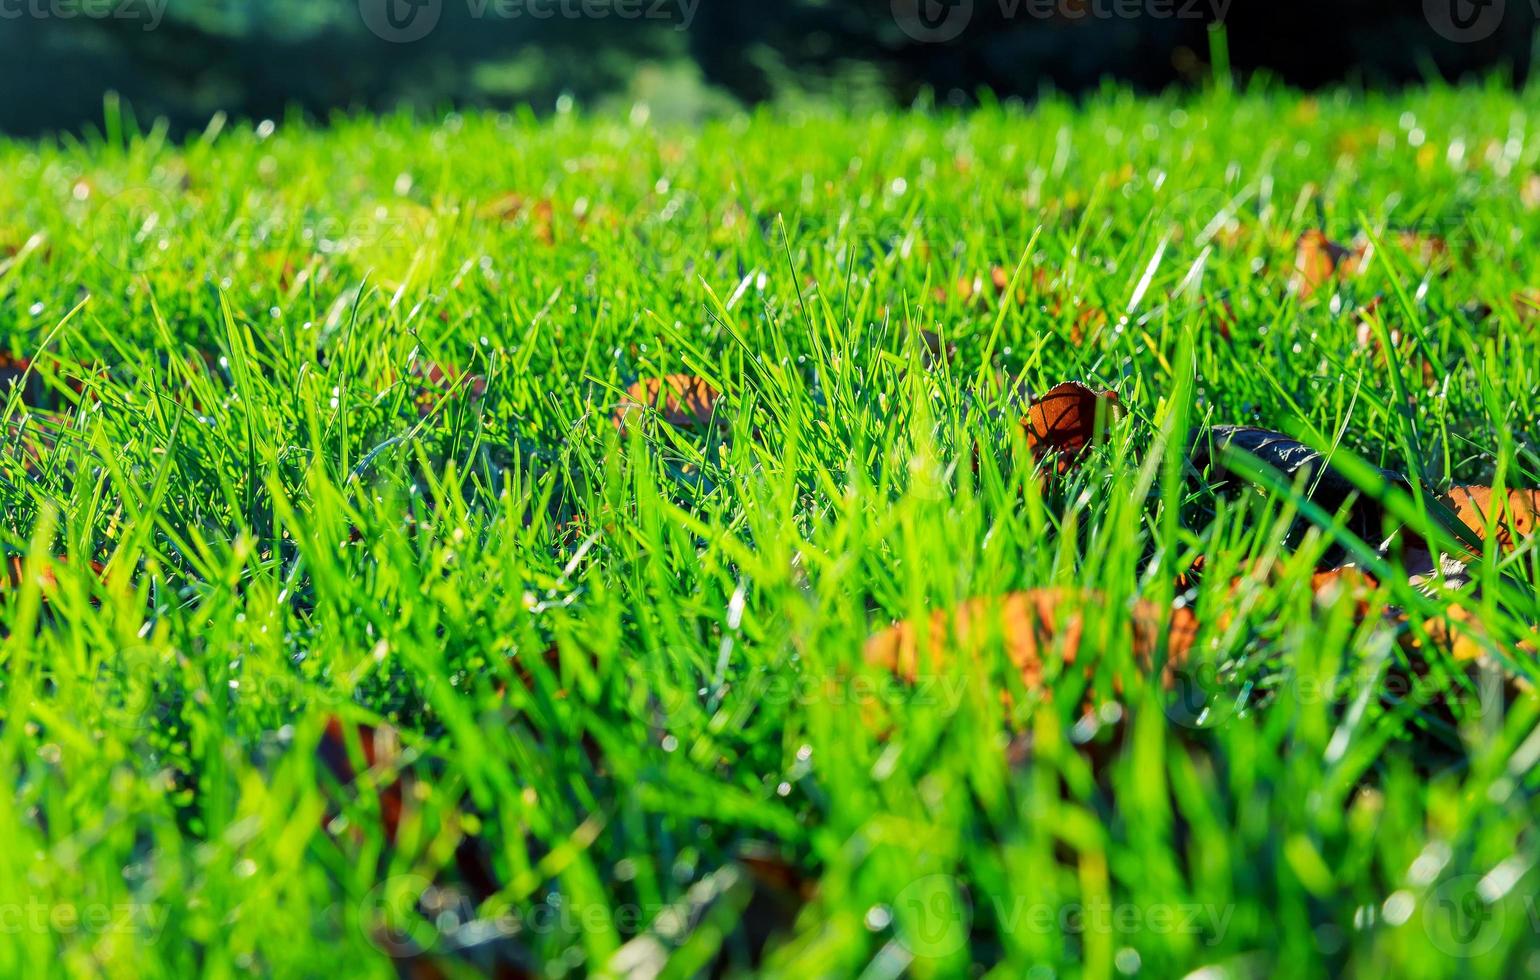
(366, 612)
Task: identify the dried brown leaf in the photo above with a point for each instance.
(1030, 624)
(1067, 420)
(681, 400)
(1512, 519)
(1318, 261)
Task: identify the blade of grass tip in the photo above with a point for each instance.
(1170, 453)
(240, 367)
(345, 363)
(791, 268)
(1408, 436)
(1083, 228)
(1490, 552)
(1219, 58)
(1005, 307)
(145, 511)
(1143, 286)
(1405, 301)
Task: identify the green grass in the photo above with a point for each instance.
(288, 536)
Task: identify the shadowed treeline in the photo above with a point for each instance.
(184, 60)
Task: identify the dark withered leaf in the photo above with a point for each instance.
(1324, 485)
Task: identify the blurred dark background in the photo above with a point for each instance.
(185, 60)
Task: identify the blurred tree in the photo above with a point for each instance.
(258, 58)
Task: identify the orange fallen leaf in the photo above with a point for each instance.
(1529, 192)
(1000, 278)
(1514, 518)
(1055, 299)
(681, 400)
(975, 290)
(1453, 631)
(14, 571)
(1527, 304)
(1318, 260)
(1429, 250)
(15, 575)
(1068, 419)
(1327, 586)
(440, 383)
(1339, 583)
(540, 214)
(1087, 326)
(1029, 624)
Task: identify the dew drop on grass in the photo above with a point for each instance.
(1398, 907)
(878, 918)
